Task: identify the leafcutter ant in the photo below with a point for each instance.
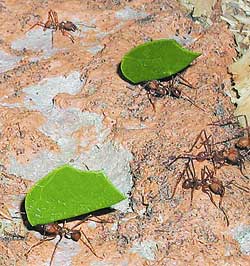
(52, 230)
(207, 183)
(52, 23)
(210, 153)
(160, 89)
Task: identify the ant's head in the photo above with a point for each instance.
(75, 235)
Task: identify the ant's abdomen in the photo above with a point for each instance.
(69, 26)
(75, 235)
(217, 189)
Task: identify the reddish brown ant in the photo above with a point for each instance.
(53, 23)
(160, 89)
(208, 184)
(52, 230)
(210, 153)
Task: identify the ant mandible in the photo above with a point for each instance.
(52, 230)
(53, 23)
(160, 89)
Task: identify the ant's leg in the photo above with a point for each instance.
(99, 220)
(50, 15)
(199, 138)
(89, 245)
(213, 162)
(65, 33)
(186, 97)
(192, 196)
(205, 189)
(176, 185)
(206, 173)
(220, 202)
(56, 245)
(186, 156)
(227, 220)
(203, 173)
(150, 100)
(208, 144)
(38, 244)
(241, 167)
(212, 150)
(56, 18)
(185, 82)
(224, 122)
(187, 171)
(234, 183)
(40, 24)
(215, 166)
(202, 137)
(52, 39)
(177, 182)
(80, 222)
(53, 18)
(191, 171)
(222, 209)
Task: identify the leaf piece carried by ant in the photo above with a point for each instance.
(67, 192)
(156, 60)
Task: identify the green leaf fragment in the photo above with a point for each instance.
(67, 192)
(156, 60)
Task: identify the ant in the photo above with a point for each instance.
(208, 183)
(52, 230)
(53, 23)
(160, 89)
(218, 157)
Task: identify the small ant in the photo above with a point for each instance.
(53, 23)
(218, 157)
(160, 89)
(208, 184)
(52, 230)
